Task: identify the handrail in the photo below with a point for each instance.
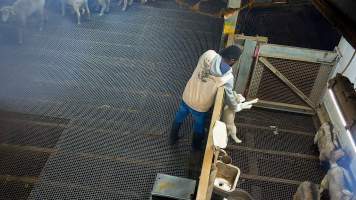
(209, 151)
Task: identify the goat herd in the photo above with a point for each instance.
(20, 10)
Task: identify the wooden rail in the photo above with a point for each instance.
(209, 151)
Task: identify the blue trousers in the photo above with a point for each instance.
(198, 117)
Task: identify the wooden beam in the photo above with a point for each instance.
(287, 82)
(299, 54)
(259, 39)
(255, 80)
(280, 129)
(322, 114)
(269, 179)
(284, 107)
(22, 179)
(245, 65)
(277, 153)
(209, 149)
(320, 83)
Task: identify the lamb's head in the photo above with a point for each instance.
(239, 97)
(325, 126)
(6, 12)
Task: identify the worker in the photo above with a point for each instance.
(212, 71)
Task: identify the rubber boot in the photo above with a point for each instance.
(173, 136)
(197, 143)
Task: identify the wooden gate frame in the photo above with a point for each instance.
(326, 59)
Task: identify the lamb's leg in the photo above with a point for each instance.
(324, 184)
(248, 104)
(316, 137)
(108, 6)
(119, 2)
(42, 18)
(63, 8)
(233, 134)
(124, 6)
(103, 7)
(87, 8)
(77, 11)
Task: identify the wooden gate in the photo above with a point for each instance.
(284, 77)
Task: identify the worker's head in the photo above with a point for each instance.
(230, 54)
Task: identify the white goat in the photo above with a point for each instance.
(78, 5)
(334, 180)
(323, 139)
(105, 6)
(229, 115)
(126, 2)
(21, 10)
(307, 191)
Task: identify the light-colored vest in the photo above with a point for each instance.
(200, 91)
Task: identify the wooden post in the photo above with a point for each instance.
(245, 66)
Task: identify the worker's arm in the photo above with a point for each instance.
(229, 95)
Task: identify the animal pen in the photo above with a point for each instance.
(85, 110)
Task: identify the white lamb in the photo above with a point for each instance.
(229, 115)
(78, 5)
(126, 3)
(323, 139)
(21, 10)
(307, 191)
(334, 180)
(105, 6)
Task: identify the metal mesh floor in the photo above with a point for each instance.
(90, 105)
(294, 25)
(273, 165)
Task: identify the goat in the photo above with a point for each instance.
(307, 191)
(126, 3)
(323, 139)
(229, 115)
(22, 9)
(78, 5)
(334, 180)
(105, 6)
